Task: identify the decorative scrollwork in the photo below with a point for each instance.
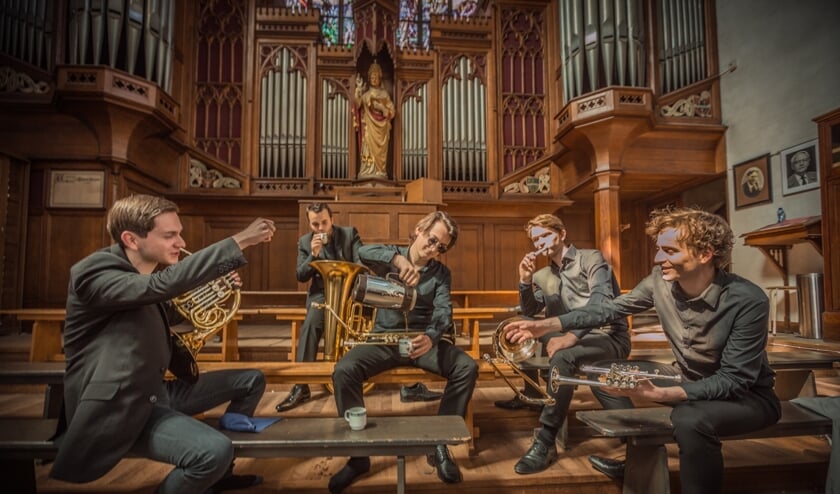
(205, 178)
(696, 105)
(12, 81)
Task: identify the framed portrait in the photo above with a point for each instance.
(751, 181)
(77, 189)
(800, 168)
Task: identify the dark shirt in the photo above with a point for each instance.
(719, 339)
(432, 311)
(584, 278)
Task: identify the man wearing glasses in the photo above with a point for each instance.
(417, 266)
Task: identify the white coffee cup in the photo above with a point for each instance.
(405, 347)
(356, 417)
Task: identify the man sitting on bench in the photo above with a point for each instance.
(117, 347)
(418, 267)
(716, 323)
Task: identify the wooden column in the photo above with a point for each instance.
(607, 218)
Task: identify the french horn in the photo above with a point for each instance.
(209, 308)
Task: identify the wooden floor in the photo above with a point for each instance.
(795, 465)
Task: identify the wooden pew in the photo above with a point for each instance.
(46, 332)
(22, 440)
(647, 431)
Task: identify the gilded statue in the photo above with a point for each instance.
(375, 111)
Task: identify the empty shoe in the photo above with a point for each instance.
(539, 457)
(418, 392)
(613, 469)
(516, 403)
(447, 469)
(299, 394)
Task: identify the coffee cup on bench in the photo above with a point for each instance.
(356, 417)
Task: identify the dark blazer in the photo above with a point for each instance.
(117, 349)
(793, 181)
(344, 246)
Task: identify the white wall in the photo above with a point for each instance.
(788, 72)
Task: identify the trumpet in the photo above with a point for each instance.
(617, 375)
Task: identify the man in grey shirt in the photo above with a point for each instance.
(573, 278)
(716, 324)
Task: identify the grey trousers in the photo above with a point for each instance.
(201, 454)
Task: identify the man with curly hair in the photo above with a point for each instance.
(716, 324)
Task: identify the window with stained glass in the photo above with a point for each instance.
(413, 31)
(337, 25)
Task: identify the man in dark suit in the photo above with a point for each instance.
(118, 347)
(325, 241)
(753, 182)
(798, 171)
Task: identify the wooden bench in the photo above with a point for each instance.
(23, 440)
(47, 345)
(52, 374)
(470, 323)
(648, 430)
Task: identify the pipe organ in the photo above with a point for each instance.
(26, 32)
(121, 34)
(335, 125)
(464, 125)
(682, 43)
(283, 103)
(415, 141)
(603, 44)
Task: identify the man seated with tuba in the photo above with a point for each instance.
(573, 278)
(118, 347)
(326, 241)
(418, 267)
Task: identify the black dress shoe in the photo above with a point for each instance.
(613, 469)
(418, 392)
(517, 404)
(299, 394)
(537, 459)
(447, 470)
(234, 482)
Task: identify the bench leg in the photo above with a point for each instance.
(20, 474)
(646, 470)
(400, 474)
(53, 396)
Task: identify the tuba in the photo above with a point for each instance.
(208, 307)
(342, 315)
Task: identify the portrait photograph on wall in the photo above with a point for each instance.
(751, 180)
(800, 168)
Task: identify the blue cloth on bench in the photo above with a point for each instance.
(242, 423)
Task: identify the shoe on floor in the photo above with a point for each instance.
(418, 392)
(613, 469)
(299, 394)
(538, 458)
(447, 469)
(516, 403)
